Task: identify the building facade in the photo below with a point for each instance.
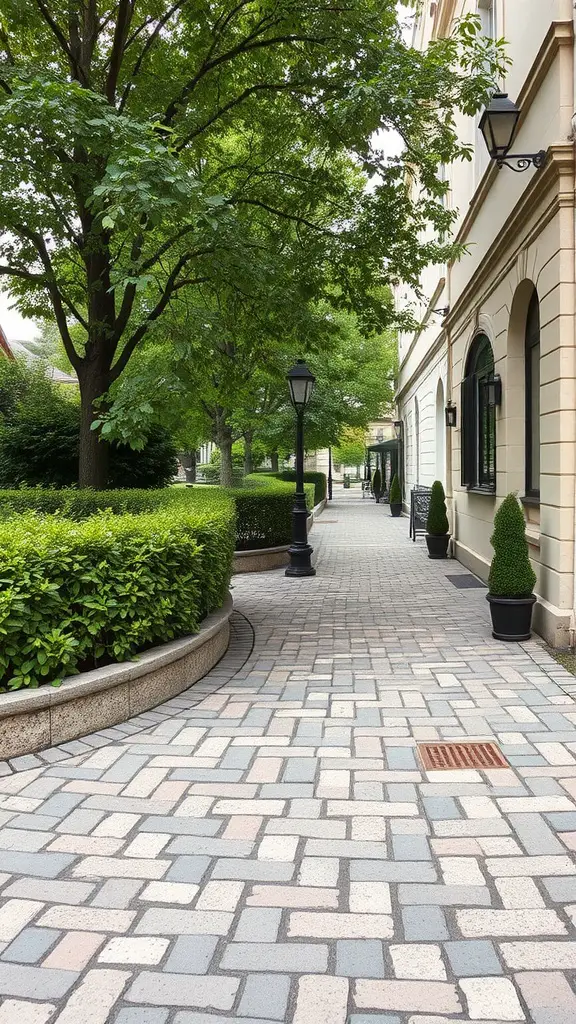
(506, 309)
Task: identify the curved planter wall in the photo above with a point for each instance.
(33, 719)
(261, 559)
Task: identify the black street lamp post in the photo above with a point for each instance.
(329, 474)
(301, 383)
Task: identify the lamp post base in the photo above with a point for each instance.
(300, 564)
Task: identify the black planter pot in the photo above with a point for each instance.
(437, 546)
(396, 508)
(511, 617)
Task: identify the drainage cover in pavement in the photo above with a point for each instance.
(441, 756)
(466, 581)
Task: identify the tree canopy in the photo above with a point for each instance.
(153, 146)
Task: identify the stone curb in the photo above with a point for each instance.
(31, 720)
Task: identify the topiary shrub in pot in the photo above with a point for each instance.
(437, 535)
(377, 485)
(395, 497)
(512, 578)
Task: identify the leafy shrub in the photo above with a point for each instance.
(39, 444)
(511, 574)
(395, 492)
(78, 594)
(437, 521)
(264, 512)
(377, 483)
(310, 477)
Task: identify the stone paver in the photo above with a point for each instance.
(267, 848)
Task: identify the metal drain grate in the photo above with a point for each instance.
(466, 581)
(443, 756)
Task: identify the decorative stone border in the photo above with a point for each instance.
(31, 720)
(262, 559)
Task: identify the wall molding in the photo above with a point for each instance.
(517, 233)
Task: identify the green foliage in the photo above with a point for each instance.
(351, 448)
(39, 437)
(264, 512)
(318, 479)
(511, 574)
(80, 594)
(165, 155)
(377, 483)
(437, 521)
(395, 492)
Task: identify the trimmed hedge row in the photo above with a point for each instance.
(75, 595)
(263, 506)
(310, 477)
(264, 512)
(92, 577)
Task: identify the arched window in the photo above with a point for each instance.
(478, 419)
(532, 366)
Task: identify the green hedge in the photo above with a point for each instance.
(264, 512)
(74, 595)
(318, 479)
(263, 506)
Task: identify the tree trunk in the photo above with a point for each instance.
(225, 446)
(248, 466)
(188, 460)
(274, 461)
(94, 453)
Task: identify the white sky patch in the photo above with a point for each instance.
(15, 326)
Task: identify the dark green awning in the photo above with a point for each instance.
(384, 446)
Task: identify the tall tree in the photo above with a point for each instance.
(111, 112)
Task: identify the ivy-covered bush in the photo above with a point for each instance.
(310, 477)
(395, 492)
(511, 574)
(264, 512)
(437, 521)
(78, 594)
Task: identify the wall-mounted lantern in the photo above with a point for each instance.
(498, 125)
(450, 414)
(398, 429)
(493, 386)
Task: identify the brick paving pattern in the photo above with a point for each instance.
(267, 848)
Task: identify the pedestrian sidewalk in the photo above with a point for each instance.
(267, 847)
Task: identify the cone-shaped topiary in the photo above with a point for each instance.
(437, 521)
(511, 574)
(395, 492)
(377, 483)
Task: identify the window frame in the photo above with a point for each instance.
(478, 473)
(531, 341)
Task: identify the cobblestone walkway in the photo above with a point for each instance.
(269, 849)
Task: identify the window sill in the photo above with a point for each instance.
(531, 500)
(489, 491)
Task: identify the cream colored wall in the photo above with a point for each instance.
(520, 232)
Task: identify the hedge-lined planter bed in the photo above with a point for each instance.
(34, 719)
(263, 559)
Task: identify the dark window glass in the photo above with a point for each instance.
(533, 398)
(478, 419)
